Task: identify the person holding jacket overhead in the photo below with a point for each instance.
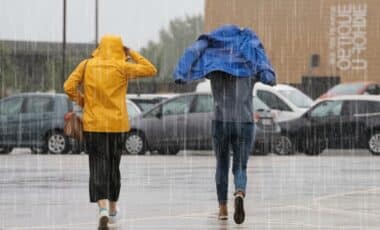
(233, 59)
(104, 82)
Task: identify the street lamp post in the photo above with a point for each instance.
(64, 42)
(96, 21)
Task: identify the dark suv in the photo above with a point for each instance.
(34, 120)
(343, 122)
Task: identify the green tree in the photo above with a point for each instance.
(172, 41)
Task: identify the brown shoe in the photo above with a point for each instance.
(223, 212)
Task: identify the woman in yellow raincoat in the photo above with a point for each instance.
(104, 82)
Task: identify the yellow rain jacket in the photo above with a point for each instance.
(104, 82)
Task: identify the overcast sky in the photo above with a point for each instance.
(137, 21)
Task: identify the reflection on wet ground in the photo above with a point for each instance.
(331, 191)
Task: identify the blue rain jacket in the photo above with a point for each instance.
(230, 49)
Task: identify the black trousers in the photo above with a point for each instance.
(104, 151)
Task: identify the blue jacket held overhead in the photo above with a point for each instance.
(230, 49)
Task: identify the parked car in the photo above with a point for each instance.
(285, 101)
(147, 101)
(353, 88)
(343, 122)
(34, 120)
(184, 122)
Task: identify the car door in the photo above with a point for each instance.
(358, 113)
(351, 122)
(10, 110)
(198, 125)
(325, 124)
(283, 111)
(165, 125)
(37, 118)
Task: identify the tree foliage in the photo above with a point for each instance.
(172, 41)
(30, 66)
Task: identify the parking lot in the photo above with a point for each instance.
(336, 190)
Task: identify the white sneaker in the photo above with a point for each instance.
(114, 217)
(103, 219)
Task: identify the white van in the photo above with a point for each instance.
(285, 101)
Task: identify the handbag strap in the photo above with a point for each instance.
(85, 68)
(83, 75)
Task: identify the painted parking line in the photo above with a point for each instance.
(86, 224)
(320, 198)
(334, 211)
(315, 207)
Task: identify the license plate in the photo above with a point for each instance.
(266, 122)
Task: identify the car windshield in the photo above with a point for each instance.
(132, 110)
(259, 104)
(298, 98)
(351, 88)
(146, 105)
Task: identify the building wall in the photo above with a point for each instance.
(293, 30)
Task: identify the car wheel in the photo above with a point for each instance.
(284, 146)
(374, 143)
(315, 148)
(135, 143)
(58, 143)
(5, 150)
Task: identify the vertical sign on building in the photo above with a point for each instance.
(348, 37)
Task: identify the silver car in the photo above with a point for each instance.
(34, 120)
(184, 122)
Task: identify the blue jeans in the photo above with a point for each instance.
(240, 137)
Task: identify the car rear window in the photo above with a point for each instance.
(39, 105)
(272, 101)
(204, 104)
(297, 97)
(351, 88)
(259, 104)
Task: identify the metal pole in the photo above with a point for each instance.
(64, 42)
(96, 21)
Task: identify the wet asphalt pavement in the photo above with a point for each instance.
(337, 190)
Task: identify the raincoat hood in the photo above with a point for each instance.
(229, 48)
(103, 80)
(110, 47)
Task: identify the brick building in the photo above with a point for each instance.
(310, 42)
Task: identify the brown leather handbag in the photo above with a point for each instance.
(73, 126)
